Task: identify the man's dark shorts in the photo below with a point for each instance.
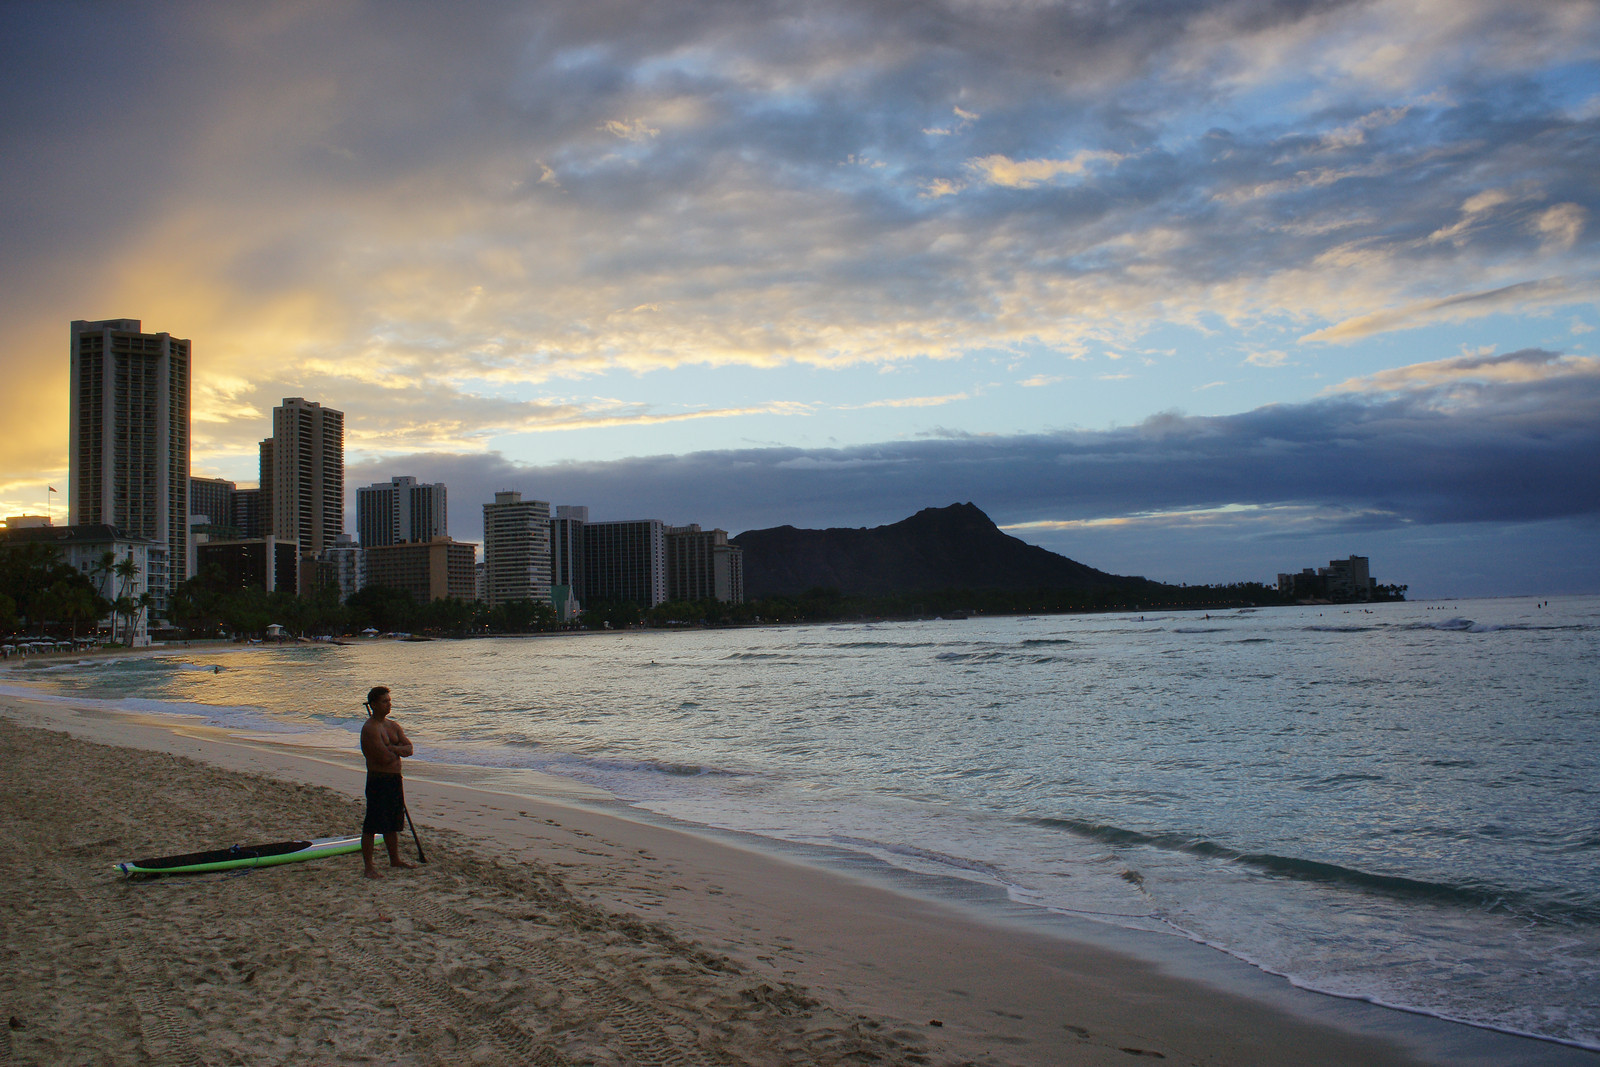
(386, 803)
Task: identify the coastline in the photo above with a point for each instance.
(1007, 992)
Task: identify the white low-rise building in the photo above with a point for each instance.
(102, 552)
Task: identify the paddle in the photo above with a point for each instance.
(422, 857)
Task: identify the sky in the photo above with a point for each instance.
(1201, 290)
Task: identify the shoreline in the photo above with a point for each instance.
(1051, 991)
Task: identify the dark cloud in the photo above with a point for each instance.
(1478, 441)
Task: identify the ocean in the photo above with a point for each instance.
(1398, 803)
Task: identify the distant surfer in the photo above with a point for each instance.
(383, 743)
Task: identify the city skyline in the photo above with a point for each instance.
(1197, 295)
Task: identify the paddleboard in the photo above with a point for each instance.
(238, 856)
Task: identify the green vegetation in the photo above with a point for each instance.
(206, 606)
(40, 593)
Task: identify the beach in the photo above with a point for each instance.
(541, 931)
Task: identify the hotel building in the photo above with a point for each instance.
(702, 565)
(401, 510)
(84, 547)
(567, 592)
(625, 562)
(302, 477)
(128, 452)
(428, 570)
(516, 549)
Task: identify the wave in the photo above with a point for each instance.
(887, 644)
(1486, 628)
(669, 768)
(1460, 625)
(1199, 629)
(1533, 907)
(1334, 780)
(1451, 625)
(959, 863)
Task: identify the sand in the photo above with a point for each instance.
(543, 930)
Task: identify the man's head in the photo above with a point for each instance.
(378, 700)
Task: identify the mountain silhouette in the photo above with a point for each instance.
(956, 547)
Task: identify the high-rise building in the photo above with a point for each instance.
(702, 565)
(344, 565)
(306, 481)
(213, 498)
(625, 562)
(264, 499)
(247, 512)
(567, 591)
(1349, 579)
(128, 463)
(210, 515)
(516, 549)
(401, 510)
(259, 562)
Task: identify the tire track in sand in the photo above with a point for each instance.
(642, 1029)
(444, 1009)
(150, 987)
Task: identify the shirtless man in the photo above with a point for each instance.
(383, 743)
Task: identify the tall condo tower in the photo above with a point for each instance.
(128, 463)
(302, 494)
(400, 510)
(626, 561)
(567, 591)
(516, 549)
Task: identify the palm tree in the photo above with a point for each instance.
(141, 609)
(74, 600)
(127, 571)
(100, 571)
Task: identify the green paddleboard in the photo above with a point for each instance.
(237, 856)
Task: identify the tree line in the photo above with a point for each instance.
(37, 588)
(40, 592)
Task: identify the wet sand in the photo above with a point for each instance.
(543, 930)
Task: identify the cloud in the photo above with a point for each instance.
(630, 129)
(1454, 308)
(1441, 378)
(1272, 358)
(914, 401)
(1244, 519)
(1027, 173)
(481, 217)
(1562, 225)
(446, 221)
(1391, 453)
